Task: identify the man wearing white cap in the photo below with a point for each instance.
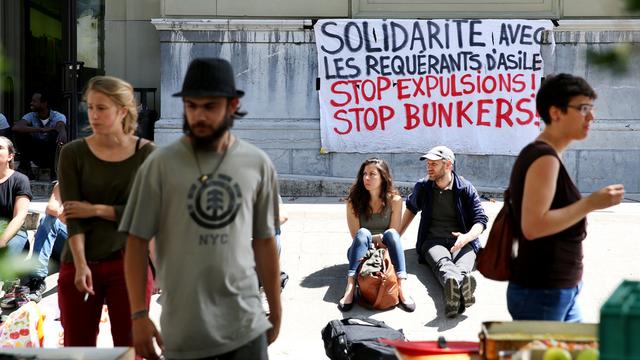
(452, 219)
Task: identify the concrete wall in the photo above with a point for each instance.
(309, 9)
(132, 46)
(276, 64)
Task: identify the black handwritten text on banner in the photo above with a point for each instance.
(404, 85)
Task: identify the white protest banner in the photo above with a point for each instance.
(406, 85)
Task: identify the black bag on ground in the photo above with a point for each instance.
(356, 338)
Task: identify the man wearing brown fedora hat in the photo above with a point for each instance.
(210, 200)
(452, 219)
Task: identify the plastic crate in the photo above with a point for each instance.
(619, 330)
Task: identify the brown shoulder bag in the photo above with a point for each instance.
(494, 260)
(377, 281)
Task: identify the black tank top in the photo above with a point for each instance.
(554, 261)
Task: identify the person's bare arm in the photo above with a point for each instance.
(20, 211)
(135, 270)
(62, 133)
(83, 277)
(407, 218)
(83, 210)
(22, 126)
(268, 268)
(463, 239)
(54, 205)
(352, 221)
(283, 215)
(396, 213)
(538, 219)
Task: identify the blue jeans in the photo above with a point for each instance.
(50, 236)
(543, 304)
(363, 241)
(16, 245)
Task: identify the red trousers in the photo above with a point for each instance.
(81, 319)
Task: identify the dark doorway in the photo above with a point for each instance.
(54, 46)
(45, 44)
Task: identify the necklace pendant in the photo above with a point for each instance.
(203, 178)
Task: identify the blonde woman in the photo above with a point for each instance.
(96, 173)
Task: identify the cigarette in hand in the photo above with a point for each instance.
(86, 297)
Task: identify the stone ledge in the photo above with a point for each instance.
(322, 186)
(190, 24)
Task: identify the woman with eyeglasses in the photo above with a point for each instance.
(549, 213)
(374, 211)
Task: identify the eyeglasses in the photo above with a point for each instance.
(585, 109)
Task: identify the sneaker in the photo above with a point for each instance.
(37, 287)
(8, 298)
(16, 298)
(22, 295)
(284, 278)
(467, 289)
(451, 298)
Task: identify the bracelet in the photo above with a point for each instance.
(140, 314)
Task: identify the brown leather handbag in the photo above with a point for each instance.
(494, 260)
(377, 281)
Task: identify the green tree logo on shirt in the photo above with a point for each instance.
(214, 203)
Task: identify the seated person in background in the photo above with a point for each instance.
(374, 210)
(15, 196)
(452, 219)
(5, 129)
(283, 218)
(49, 238)
(38, 134)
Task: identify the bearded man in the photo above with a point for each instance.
(210, 200)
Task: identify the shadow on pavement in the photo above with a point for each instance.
(333, 276)
(336, 279)
(425, 275)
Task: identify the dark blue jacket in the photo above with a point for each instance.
(468, 207)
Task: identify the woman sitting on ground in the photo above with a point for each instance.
(374, 210)
(15, 196)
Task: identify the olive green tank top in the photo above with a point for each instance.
(378, 222)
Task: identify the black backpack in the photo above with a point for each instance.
(356, 338)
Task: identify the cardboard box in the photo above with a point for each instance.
(510, 336)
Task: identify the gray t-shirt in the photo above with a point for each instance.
(206, 267)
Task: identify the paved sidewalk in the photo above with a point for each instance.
(315, 242)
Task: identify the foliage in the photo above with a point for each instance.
(11, 267)
(632, 6)
(617, 58)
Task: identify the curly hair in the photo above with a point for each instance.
(359, 196)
